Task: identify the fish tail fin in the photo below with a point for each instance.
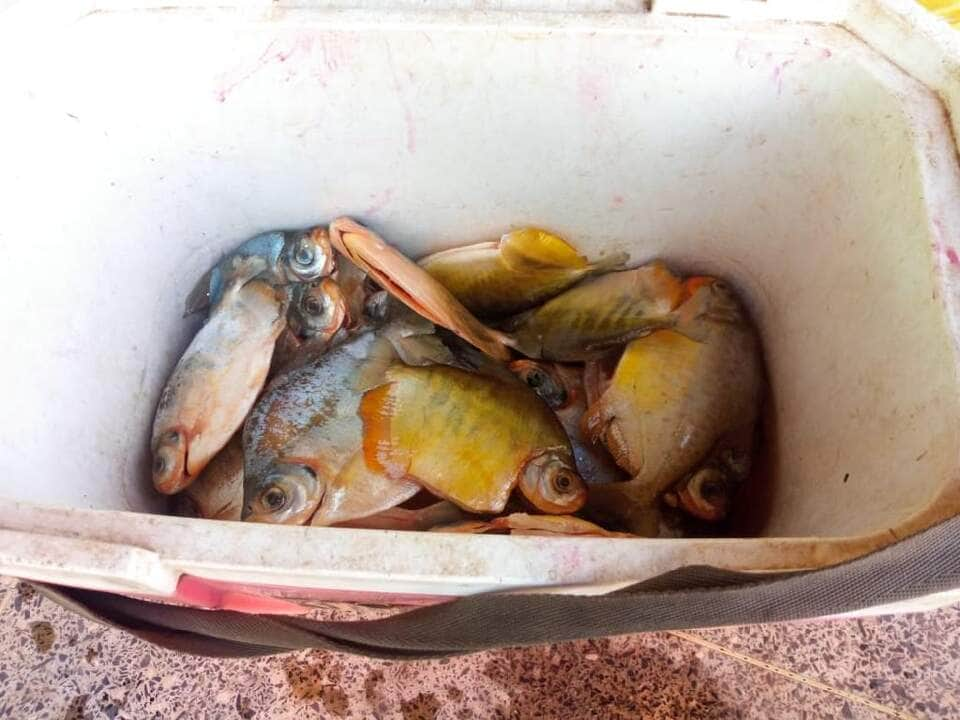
(614, 261)
(523, 345)
(421, 350)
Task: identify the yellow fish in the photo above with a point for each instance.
(469, 438)
(522, 269)
(675, 396)
(586, 321)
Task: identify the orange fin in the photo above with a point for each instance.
(379, 452)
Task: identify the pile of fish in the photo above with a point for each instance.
(512, 386)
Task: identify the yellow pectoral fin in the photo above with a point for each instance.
(530, 248)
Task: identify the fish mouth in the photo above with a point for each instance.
(170, 462)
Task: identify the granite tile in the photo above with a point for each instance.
(55, 665)
(911, 662)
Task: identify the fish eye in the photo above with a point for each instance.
(274, 498)
(172, 437)
(535, 378)
(562, 482)
(313, 305)
(710, 489)
(304, 254)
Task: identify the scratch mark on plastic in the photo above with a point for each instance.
(271, 54)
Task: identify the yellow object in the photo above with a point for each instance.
(949, 10)
(522, 269)
(466, 437)
(599, 314)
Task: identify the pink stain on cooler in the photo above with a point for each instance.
(952, 256)
(591, 89)
(778, 74)
(379, 201)
(616, 201)
(277, 52)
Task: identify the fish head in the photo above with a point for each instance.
(710, 299)
(545, 380)
(549, 481)
(288, 494)
(318, 309)
(307, 255)
(170, 461)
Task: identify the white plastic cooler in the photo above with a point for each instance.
(806, 151)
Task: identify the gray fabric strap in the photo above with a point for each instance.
(691, 597)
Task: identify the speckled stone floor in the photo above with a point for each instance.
(54, 665)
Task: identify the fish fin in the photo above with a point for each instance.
(421, 350)
(524, 343)
(412, 285)
(199, 298)
(516, 321)
(657, 280)
(467, 527)
(528, 346)
(666, 323)
(373, 371)
(610, 263)
(529, 247)
(600, 427)
(356, 492)
(379, 451)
